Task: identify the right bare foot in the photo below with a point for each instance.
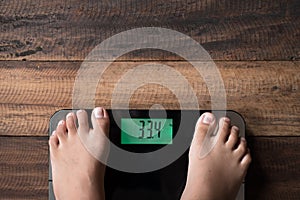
(219, 174)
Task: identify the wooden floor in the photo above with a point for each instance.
(255, 44)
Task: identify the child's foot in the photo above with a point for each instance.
(218, 175)
(76, 173)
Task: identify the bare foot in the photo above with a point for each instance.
(218, 175)
(76, 173)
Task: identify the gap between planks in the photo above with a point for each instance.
(69, 30)
(265, 93)
(273, 173)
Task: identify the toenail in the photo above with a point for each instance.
(243, 139)
(69, 115)
(226, 119)
(235, 128)
(79, 111)
(98, 112)
(207, 119)
(61, 122)
(54, 132)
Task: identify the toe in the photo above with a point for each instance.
(241, 149)
(224, 123)
(83, 123)
(100, 120)
(246, 160)
(205, 124)
(53, 141)
(233, 137)
(61, 130)
(70, 123)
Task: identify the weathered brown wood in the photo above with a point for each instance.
(24, 168)
(275, 168)
(228, 30)
(265, 93)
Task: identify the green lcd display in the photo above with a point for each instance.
(146, 131)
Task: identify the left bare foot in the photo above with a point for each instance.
(76, 173)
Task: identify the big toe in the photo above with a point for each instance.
(206, 124)
(100, 121)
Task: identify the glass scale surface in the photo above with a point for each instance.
(152, 131)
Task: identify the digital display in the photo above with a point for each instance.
(146, 131)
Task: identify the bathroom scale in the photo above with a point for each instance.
(151, 131)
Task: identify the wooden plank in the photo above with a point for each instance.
(265, 93)
(273, 173)
(228, 30)
(23, 168)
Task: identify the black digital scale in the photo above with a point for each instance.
(143, 132)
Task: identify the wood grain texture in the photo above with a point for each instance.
(228, 30)
(24, 168)
(265, 93)
(54, 36)
(275, 168)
